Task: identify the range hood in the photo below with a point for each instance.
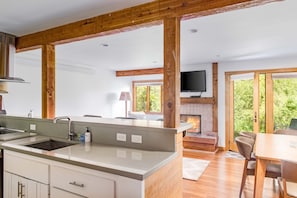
(7, 51)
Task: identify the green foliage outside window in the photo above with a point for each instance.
(151, 94)
(141, 98)
(285, 104)
(243, 106)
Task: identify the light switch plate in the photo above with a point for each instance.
(32, 127)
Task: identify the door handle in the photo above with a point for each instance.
(255, 117)
(19, 189)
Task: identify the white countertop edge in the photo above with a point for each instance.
(18, 146)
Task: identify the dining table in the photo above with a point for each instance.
(272, 148)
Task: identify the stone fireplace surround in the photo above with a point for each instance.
(205, 110)
(207, 140)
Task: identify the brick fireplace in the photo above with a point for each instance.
(195, 120)
(204, 110)
(207, 140)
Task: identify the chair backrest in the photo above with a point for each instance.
(245, 146)
(289, 171)
(248, 134)
(293, 123)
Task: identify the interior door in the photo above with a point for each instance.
(244, 105)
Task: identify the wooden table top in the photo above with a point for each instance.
(276, 147)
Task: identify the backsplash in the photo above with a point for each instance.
(205, 110)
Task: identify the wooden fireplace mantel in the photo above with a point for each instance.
(206, 100)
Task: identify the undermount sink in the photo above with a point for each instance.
(50, 144)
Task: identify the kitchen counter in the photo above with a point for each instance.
(133, 163)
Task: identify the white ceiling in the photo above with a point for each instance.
(260, 32)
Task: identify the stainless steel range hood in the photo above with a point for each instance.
(7, 51)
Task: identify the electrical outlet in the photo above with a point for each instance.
(136, 139)
(121, 137)
(32, 127)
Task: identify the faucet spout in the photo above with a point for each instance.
(71, 134)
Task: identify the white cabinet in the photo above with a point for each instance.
(86, 183)
(25, 176)
(74, 182)
(17, 186)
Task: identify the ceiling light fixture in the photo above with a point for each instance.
(104, 45)
(193, 31)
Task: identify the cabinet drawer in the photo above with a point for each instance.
(26, 166)
(58, 193)
(81, 183)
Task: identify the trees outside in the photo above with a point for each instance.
(243, 106)
(285, 103)
(150, 94)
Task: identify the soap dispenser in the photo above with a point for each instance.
(88, 137)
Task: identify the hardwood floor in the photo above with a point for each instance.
(222, 179)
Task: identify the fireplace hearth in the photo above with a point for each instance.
(195, 120)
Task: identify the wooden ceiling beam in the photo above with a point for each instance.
(131, 18)
(138, 72)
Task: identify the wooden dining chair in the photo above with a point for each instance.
(245, 147)
(288, 180)
(249, 135)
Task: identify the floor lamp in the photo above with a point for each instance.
(125, 96)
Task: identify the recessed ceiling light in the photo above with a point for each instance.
(104, 45)
(193, 31)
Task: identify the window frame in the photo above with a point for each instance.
(147, 83)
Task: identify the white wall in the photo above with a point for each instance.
(96, 91)
(276, 63)
(79, 90)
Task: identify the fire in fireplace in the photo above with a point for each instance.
(195, 120)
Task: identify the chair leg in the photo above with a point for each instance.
(244, 175)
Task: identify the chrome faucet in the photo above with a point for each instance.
(71, 134)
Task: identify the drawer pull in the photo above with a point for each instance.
(77, 184)
(19, 189)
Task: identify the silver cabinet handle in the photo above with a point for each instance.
(19, 189)
(77, 184)
(22, 193)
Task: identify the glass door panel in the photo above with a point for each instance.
(284, 99)
(244, 107)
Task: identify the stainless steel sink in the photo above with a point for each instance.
(50, 144)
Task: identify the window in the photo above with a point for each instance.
(147, 96)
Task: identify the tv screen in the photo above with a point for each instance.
(193, 81)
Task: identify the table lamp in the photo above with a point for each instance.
(125, 96)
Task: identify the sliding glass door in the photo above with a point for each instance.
(244, 109)
(260, 101)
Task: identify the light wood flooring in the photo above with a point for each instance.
(222, 179)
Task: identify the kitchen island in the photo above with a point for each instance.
(152, 168)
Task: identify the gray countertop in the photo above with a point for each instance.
(132, 163)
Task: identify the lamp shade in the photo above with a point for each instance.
(125, 95)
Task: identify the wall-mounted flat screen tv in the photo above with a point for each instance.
(193, 81)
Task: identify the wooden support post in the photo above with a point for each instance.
(48, 81)
(269, 116)
(171, 72)
(215, 96)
